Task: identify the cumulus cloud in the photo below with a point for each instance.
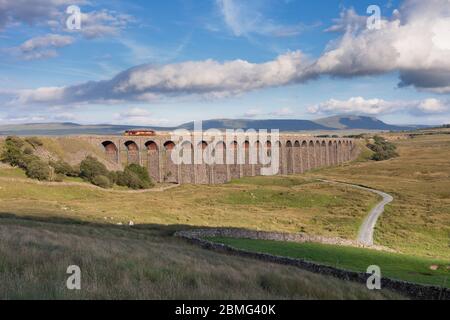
(359, 105)
(103, 23)
(52, 14)
(148, 82)
(32, 12)
(415, 42)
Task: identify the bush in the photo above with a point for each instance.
(113, 176)
(131, 180)
(38, 169)
(34, 142)
(383, 149)
(91, 167)
(59, 178)
(12, 151)
(102, 181)
(62, 167)
(28, 150)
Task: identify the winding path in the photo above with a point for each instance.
(367, 229)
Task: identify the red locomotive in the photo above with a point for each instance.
(140, 133)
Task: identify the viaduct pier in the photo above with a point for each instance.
(297, 154)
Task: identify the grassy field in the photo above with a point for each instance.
(418, 221)
(306, 205)
(144, 262)
(395, 266)
(80, 225)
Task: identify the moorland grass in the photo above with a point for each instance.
(145, 262)
(417, 222)
(393, 265)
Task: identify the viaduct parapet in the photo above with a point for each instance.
(297, 154)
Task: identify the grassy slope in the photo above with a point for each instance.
(396, 266)
(251, 203)
(418, 221)
(145, 263)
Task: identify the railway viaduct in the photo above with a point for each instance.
(297, 154)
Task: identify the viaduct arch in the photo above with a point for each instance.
(297, 154)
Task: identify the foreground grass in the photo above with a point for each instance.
(417, 222)
(145, 263)
(395, 266)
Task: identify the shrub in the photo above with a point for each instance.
(34, 142)
(25, 159)
(38, 169)
(131, 180)
(102, 181)
(12, 151)
(91, 167)
(141, 172)
(62, 167)
(113, 176)
(28, 150)
(383, 149)
(58, 178)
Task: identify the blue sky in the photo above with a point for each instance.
(168, 62)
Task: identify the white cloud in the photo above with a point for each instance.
(42, 47)
(33, 12)
(208, 78)
(414, 42)
(138, 116)
(255, 113)
(243, 18)
(409, 43)
(103, 23)
(359, 105)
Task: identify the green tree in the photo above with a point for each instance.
(91, 167)
(38, 169)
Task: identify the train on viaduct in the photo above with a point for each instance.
(297, 154)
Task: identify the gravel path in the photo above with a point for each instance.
(366, 231)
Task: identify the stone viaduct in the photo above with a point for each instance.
(297, 154)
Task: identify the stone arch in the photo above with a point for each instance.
(330, 153)
(187, 167)
(202, 169)
(234, 166)
(111, 151)
(323, 154)
(312, 155)
(259, 150)
(132, 152)
(340, 152)
(170, 172)
(153, 160)
(220, 167)
(280, 158)
(334, 152)
(305, 156)
(318, 154)
(297, 157)
(247, 167)
(289, 158)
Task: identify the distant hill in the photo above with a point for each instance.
(335, 123)
(360, 122)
